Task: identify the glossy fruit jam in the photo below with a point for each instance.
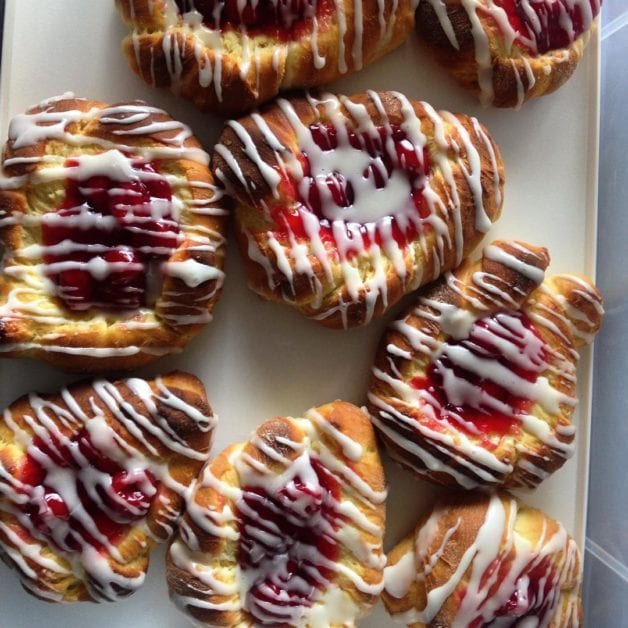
(102, 243)
(362, 188)
(483, 383)
(552, 24)
(78, 497)
(287, 540)
(279, 19)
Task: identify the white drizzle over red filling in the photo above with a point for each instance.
(81, 486)
(294, 528)
(539, 27)
(502, 579)
(107, 243)
(364, 194)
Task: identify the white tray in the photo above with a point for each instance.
(260, 360)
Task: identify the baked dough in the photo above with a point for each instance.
(345, 204)
(475, 385)
(92, 478)
(285, 529)
(228, 56)
(483, 560)
(113, 231)
(507, 51)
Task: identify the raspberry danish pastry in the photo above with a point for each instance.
(93, 478)
(285, 529)
(345, 204)
(508, 51)
(485, 560)
(227, 56)
(113, 233)
(475, 385)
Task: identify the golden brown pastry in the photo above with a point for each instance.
(113, 231)
(345, 204)
(227, 56)
(485, 560)
(92, 478)
(475, 385)
(508, 51)
(285, 529)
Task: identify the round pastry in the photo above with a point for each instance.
(485, 560)
(285, 529)
(227, 56)
(508, 51)
(113, 231)
(345, 204)
(475, 385)
(94, 477)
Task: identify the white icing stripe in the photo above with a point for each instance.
(89, 472)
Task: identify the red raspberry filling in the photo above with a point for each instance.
(508, 340)
(104, 237)
(390, 152)
(102, 492)
(553, 24)
(280, 19)
(286, 538)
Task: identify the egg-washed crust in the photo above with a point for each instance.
(512, 72)
(465, 184)
(440, 553)
(34, 323)
(206, 550)
(231, 71)
(566, 312)
(164, 424)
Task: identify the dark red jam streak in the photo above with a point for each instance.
(532, 600)
(283, 20)
(487, 421)
(305, 515)
(49, 512)
(139, 235)
(561, 21)
(402, 157)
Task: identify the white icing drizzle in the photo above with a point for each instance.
(378, 199)
(484, 363)
(501, 579)
(521, 44)
(85, 465)
(255, 514)
(122, 162)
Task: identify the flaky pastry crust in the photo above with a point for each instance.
(502, 64)
(94, 477)
(229, 67)
(60, 140)
(478, 559)
(426, 186)
(285, 529)
(475, 384)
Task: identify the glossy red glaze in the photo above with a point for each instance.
(125, 246)
(116, 500)
(401, 154)
(303, 513)
(484, 346)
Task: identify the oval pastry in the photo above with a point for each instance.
(285, 529)
(345, 204)
(94, 477)
(508, 51)
(475, 385)
(227, 56)
(113, 231)
(485, 560)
